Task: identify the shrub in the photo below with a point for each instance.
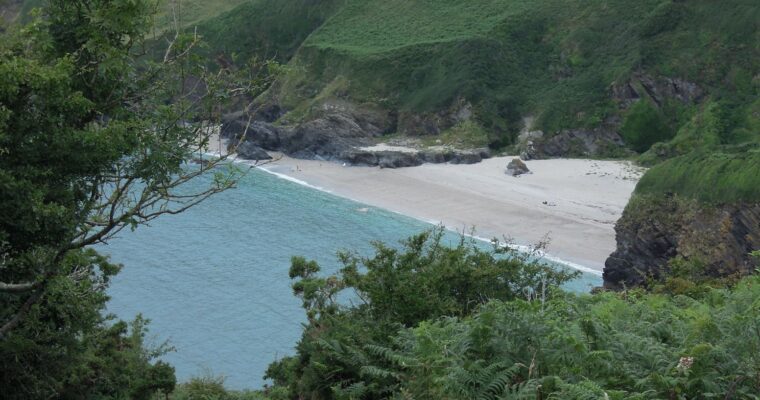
(644, 126)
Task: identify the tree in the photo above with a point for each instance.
(94, 138)
(341, 353)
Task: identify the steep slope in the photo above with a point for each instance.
(576, 66)
(265, 29)
(188, 12)
(703, 207)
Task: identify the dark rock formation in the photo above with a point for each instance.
(658, 90)
(430, 124)
(250, 151)
(654, 230)
(574, 143)
(327, 136)
(605, 139)
(466, 158)
(401, 159)
(322, 138)
(516, 167)
(398, 159)
(361, 157)
(262, 134)
(436, 157)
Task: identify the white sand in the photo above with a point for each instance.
(583, 198)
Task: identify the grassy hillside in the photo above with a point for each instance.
(555, 60)
(549, 58)
(189, 12)
(266, 28)
(709, 176)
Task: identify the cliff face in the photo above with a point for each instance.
(655, 229)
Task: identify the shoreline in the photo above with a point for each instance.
(522, 248)
(579, 222)
(572, 202)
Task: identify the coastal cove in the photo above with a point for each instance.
(219, 290)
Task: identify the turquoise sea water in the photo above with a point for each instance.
(214, 280)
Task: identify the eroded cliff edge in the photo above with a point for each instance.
(702, 208)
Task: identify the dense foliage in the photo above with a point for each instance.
(631, 346)
(432, 322)
(93, 140)
(392, 290)
(644, 126)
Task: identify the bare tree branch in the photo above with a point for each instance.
(21, 313)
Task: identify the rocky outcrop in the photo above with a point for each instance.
(516, 168)
(249, 151)
(574, 143)
(401, 159)
(653, 230)
(469, 156)
(605, 140)
(431, 124)
(327, 137)
(336, 135)
(383, 159)
(657, 89)
(262, 134)
(336, 129)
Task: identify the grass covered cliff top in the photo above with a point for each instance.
(709, 176)
(549, 58)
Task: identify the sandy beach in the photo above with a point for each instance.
(574, 203)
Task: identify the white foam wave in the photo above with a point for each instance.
(541, 254)
(294, 180)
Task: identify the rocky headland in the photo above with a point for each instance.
(656, 230)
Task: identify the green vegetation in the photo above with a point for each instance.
(92, 141)
(555, 60)
(188, 12)
(265, 29)
(211, 388)
(466, 134)
(458, 323)
(549, 58)
(644, 126)
(395, 289)
(711, 177)
(584, 347)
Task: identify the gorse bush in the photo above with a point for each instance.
(211, 388)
